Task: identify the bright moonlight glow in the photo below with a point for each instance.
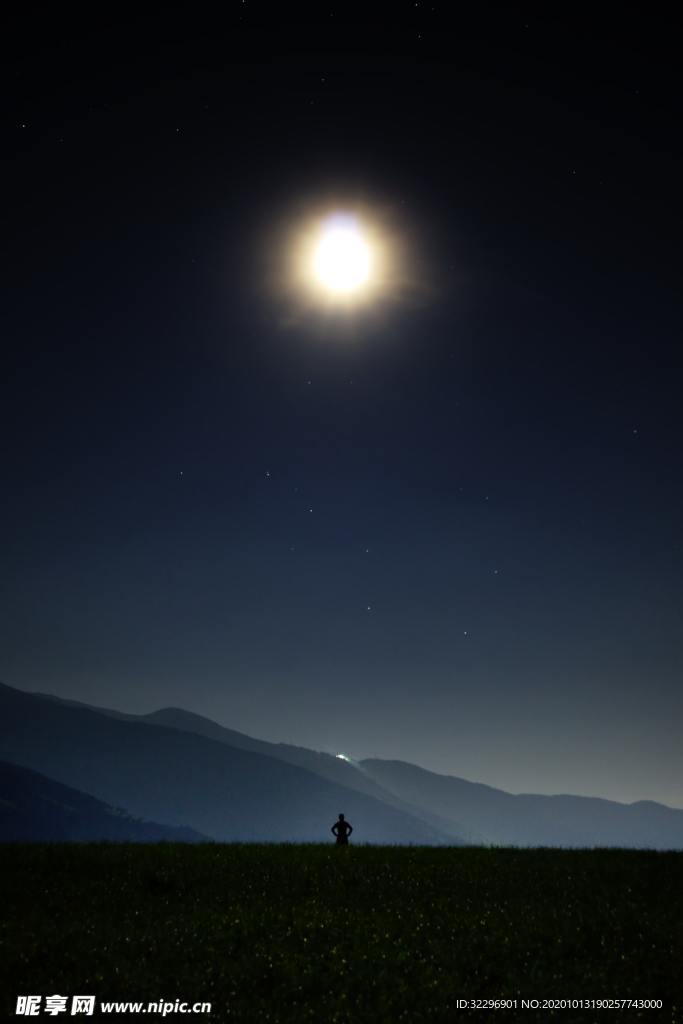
(341, 257)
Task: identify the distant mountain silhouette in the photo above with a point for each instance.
(35, 808)
(530, 820)
(181, 768)
(327, 766)
(180, 778)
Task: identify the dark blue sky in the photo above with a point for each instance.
(450, 533)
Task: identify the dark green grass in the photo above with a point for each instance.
(315, 933)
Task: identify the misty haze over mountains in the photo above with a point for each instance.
(190, 778)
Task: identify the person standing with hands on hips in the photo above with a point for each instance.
(342, 829)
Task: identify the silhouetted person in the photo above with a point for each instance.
(342, 830)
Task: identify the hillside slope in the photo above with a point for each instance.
(37, 809)
(335, 769)
(179, 778)
(532, 820)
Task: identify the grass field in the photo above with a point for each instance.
(315, 933)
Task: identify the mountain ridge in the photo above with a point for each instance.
(448, 808)
(36, 808)
(179, 778)
(530, 819)
(328, 766)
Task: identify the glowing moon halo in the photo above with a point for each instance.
(342, 260)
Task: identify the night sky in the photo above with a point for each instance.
(445, 528)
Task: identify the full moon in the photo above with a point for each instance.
(337, 258)
(342, 260)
